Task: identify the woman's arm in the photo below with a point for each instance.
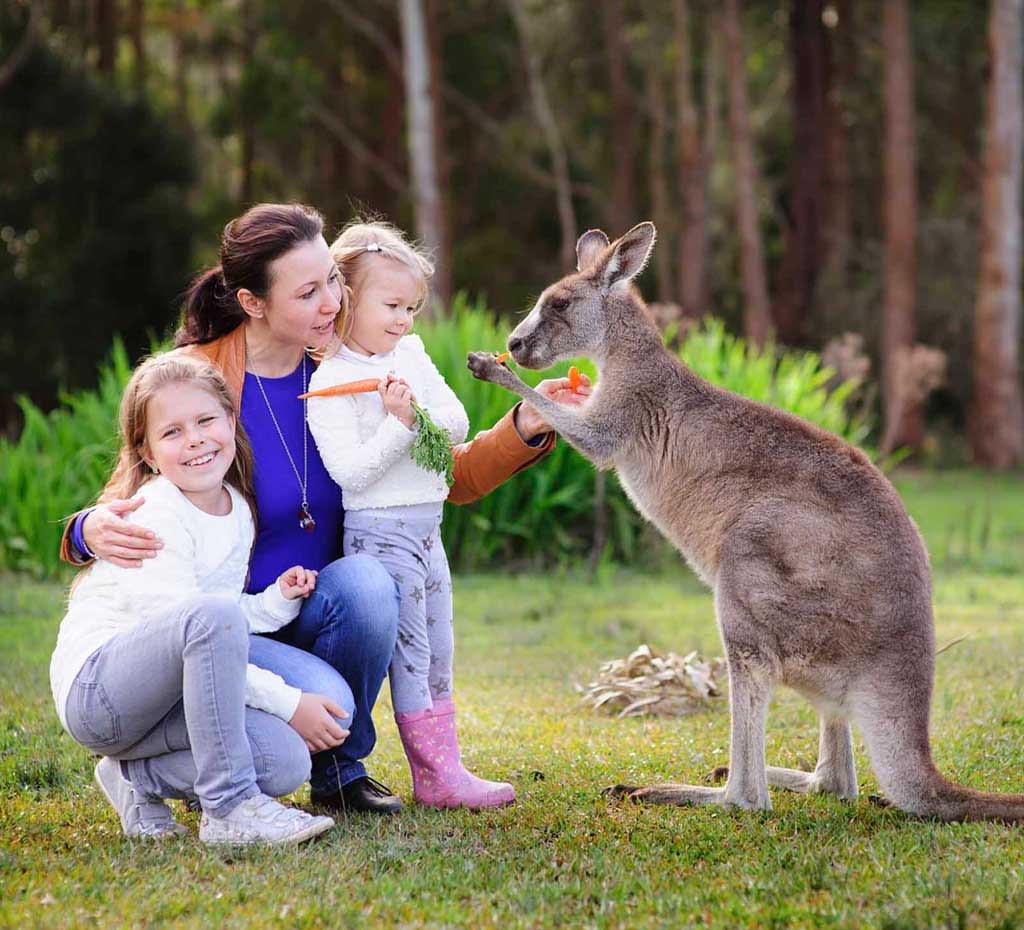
(495, 455)
(105, 531)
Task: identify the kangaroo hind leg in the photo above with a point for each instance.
(835, 773)
(747, 786)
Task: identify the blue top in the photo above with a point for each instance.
(280, 541)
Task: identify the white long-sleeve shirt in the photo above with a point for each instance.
(366, 450)
(202, 554)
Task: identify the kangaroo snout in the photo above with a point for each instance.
(523, 344)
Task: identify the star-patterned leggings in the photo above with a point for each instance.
(407, 540)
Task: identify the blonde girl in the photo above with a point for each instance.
(393, 506)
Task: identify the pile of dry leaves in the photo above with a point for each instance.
(646, 683)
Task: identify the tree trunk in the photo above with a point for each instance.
(903, 420)
(442, 283)
(623, 144)
(106, 35)
(693, 238)
(246, 128)
(391, 125)
(712, 101)
(137, 25)
(837, 199)
(420, 112)
(661, 205)
(756, 311)
(797, 294)
(552, 136)
(997, 421)
(180, 29)
(22, 47)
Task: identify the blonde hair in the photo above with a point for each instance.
(155, 373)
(362, 243)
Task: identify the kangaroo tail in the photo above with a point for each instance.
(901, 757)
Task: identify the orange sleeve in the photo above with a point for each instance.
(491, 458)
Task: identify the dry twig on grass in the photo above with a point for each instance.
(646, 683)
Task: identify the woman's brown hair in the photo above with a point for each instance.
(248, 246)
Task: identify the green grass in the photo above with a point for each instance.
(563, 856)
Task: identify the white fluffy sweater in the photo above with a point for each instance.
(202, 554)
(366, 450)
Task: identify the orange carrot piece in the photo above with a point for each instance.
(364, 386)
(501, 359)
(574, 378)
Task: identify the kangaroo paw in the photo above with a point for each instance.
(485, 367)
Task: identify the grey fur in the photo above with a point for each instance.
(821, 580)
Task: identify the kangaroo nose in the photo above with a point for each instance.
(515, 344)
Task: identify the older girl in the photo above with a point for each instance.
(151, 666)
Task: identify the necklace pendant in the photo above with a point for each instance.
(306, 520)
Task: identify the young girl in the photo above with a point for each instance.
(393, 506)
(151, 665)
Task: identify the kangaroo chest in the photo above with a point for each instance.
(673, 504)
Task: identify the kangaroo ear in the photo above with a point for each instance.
(631, 254)
(589, 248)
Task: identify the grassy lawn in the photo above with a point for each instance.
(563, 856)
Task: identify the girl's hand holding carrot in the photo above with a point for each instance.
(398, 399)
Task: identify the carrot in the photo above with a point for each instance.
(501, 359)
(363, 386)
(574, 378)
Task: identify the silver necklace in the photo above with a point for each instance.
(306, 520)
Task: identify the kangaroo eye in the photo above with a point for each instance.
(558, 304)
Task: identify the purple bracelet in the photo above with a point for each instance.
(77, 539)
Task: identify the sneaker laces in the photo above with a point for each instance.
(381, 791)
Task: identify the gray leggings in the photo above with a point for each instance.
(407, 540)
(167, 698)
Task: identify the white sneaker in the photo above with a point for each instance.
(139, 817)
(261, 819)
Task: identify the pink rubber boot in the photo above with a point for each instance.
(438, 776)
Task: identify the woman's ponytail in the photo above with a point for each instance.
(210, 310)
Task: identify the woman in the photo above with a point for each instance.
(260, 316)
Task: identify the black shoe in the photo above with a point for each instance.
(362, 794)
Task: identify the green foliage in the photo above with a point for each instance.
(57, 466)
(543, 516)
(96, 231)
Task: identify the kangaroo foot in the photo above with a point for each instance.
(618, 792)
(686, 795)
(797, 780)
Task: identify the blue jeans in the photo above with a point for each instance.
(340, 645)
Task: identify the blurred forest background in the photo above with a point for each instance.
(844, 175)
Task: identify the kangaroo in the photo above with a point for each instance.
(821, 580)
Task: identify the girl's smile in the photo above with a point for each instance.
(190, 439)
